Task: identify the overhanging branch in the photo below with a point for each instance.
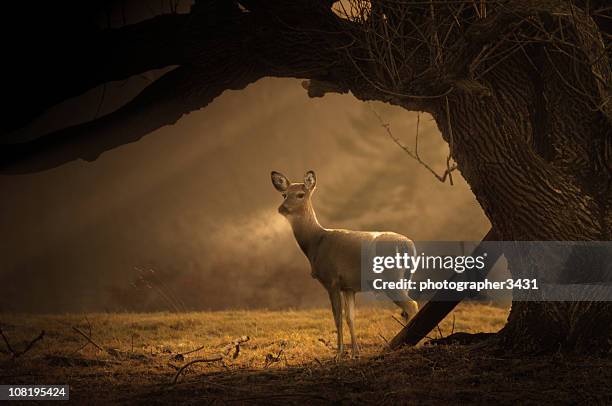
(112, 54)
(162, 103)
(236, 55)
(220, 46)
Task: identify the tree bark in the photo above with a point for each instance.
(536, 155)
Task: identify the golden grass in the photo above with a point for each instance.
(303, 334)
(143, 348)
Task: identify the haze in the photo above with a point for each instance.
(193, 202)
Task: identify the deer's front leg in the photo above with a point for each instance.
(349, 310)
(336, 303)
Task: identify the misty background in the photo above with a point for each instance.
(186, 218)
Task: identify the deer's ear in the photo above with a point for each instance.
(280, 182)
(310, 180)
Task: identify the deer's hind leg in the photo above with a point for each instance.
(406, 303)
(336, 302)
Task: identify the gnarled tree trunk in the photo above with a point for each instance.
(536, 153)
(533, 157)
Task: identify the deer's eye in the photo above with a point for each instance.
(300, 195)
(284, 195)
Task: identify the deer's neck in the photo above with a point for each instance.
(307, 230)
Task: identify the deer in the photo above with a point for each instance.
(335, 255)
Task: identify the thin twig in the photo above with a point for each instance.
(400, 323)
(192, 351)
(89, 339)
(81, 348)
(27, 348)
(31, 344)
(6, 341)
(235, 345)
(439, 331)
(195, 361)
(271, 358)
(414, 154)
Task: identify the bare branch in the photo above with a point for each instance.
(88, 338)
(415, 154)
(227, 350)
(27, 348)
(413, 54)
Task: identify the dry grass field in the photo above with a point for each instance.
(287, 359)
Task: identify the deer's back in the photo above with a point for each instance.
(337, 260)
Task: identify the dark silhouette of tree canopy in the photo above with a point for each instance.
(520, 90)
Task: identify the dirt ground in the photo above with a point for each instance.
(288, 358)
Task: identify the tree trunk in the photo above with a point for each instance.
(537, 160)
(553, 326)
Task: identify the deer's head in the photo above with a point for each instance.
(296, 195)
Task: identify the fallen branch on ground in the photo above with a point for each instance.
(227, 350)
(113, 352)
(271, 358)
(399, 322)
(90, 334)
(89, 339)
(28, 347)
(187, 365)
(181, 356)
